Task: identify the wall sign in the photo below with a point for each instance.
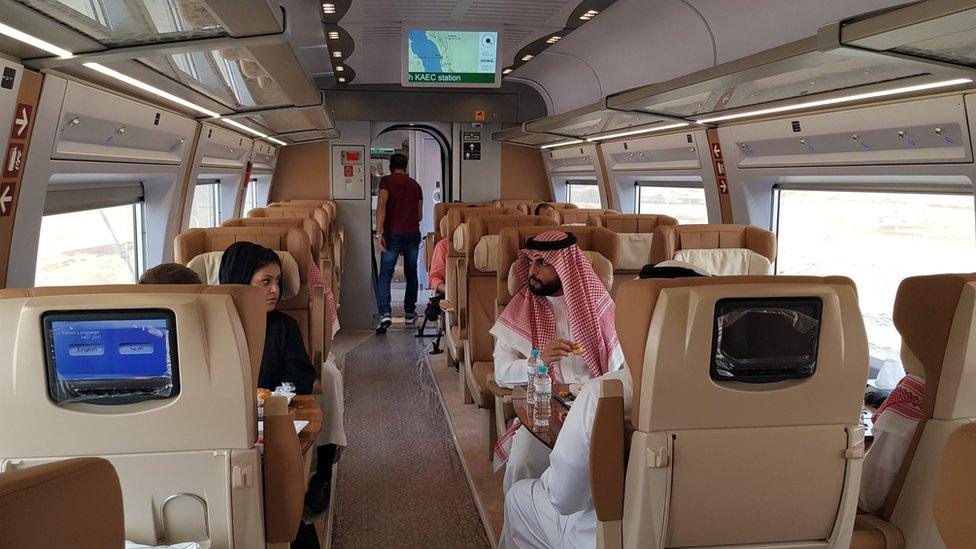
(348, 172)
(472, 151)
(721, 178)
(470, 137)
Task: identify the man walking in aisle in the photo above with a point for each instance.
(398, 214)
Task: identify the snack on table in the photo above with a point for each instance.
(577, 349)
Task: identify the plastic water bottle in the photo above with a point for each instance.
(535, 358)
(543, 396)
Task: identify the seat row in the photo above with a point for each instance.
(482, 245)
(697, 443)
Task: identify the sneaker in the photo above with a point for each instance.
(385, 322)
(410, 318)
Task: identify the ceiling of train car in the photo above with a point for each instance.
(672, 38)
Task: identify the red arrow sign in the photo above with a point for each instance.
(723, 185)
(716, 151)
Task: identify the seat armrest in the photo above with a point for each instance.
(317, 327)
(607, 452)
(871, 532)
(498, 390)
(283, 473)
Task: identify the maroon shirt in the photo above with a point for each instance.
(402, 204)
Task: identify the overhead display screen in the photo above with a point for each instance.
(451, 58)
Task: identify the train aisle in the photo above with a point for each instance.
(401, 482)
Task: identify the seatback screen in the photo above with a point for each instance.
(111, 357)
(765, 340)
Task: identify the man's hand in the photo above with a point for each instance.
(556, 350)
(380, 242)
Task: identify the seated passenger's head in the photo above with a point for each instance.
(250, 264)
(169, 273)
(547, 210)
(672, 269)
(543, 252)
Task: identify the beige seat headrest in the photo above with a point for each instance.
(727, 261)
(442, 228)
(486, 253)
(601, 266)
(459, 237)
(207, 267)
(635, 251)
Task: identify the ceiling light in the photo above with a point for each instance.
(554, 39)
(329, 9)
(342, 80)
(277, 141)
(333, 35)
(637, 132)
(337, 54)
(507, 71)
(527, 57)
(340, 68)
(151, 89)
(562, 144)
(589, 15)
(838, 100)
(34, 41)
(248, 129)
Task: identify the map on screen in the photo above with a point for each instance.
(441, 57)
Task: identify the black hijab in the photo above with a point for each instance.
(242, 259)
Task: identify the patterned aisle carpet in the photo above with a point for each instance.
(401, 482)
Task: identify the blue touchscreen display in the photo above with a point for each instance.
(89, 350)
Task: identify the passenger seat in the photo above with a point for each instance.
(338, 234)
(581, 216)
(195, 248)
(330, 267)
(936, 317)
(955, 504)
(69, 504)
(635, 233)
(745, 419)
(718, 249)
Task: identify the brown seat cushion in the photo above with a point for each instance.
(480, 371)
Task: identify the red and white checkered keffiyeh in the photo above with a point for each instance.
(905, 399)
(315, 278)
(528, 322)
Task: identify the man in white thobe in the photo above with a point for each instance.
(563, 310)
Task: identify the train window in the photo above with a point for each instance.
(584, 194)
(205, 211)
(877, 239)
(251, 196)
(684, 203)
(87, 247)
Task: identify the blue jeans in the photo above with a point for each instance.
(396, 244)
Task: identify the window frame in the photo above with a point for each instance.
(581, 183)
(214, 190)
(639, 184)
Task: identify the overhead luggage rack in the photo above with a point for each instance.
(213, 59)
(817, 71)
(939, 30)
(597, 122)
(519, 136)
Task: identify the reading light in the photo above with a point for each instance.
(589, 15)
(637, 132)
(838, 100)
(248, 129)
(340, 68)
(34, 41)
(561, 144)
(329, 9)
(151, 89)
(342, 80)
(507, 71)
(528, 57)
(554, 39)
(337, 54)
(333, 35)
(278, 141)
